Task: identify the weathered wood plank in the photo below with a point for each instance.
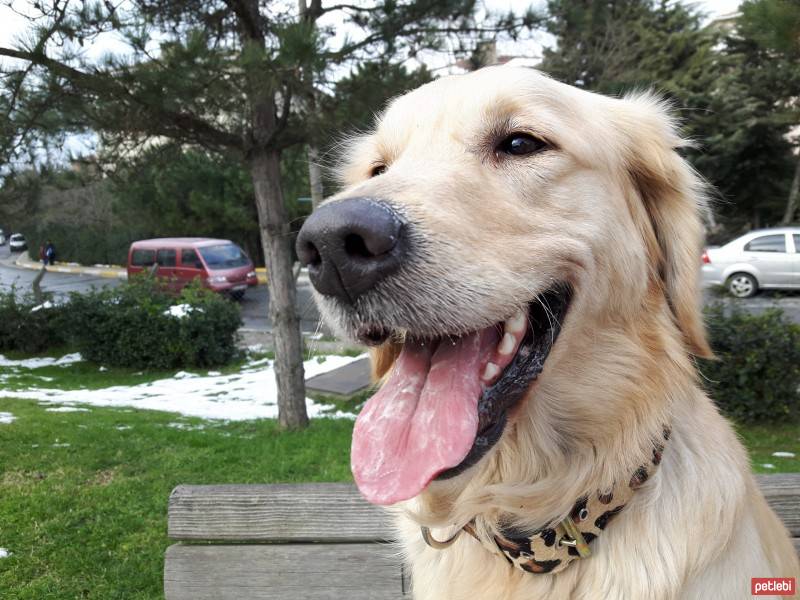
(335, 512)
(782, 491)
(282, 571)
(314, 512)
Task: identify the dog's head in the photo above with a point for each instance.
(490, 227)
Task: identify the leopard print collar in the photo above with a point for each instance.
(553, 548)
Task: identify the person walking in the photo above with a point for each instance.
(49, 253)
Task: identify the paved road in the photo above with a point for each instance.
(254, 305)
(255, 302)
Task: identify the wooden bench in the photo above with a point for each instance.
(312, 541)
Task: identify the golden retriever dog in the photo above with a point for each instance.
(523, 257)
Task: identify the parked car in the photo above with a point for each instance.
(763, 259)
(17, 242)
(220, 264)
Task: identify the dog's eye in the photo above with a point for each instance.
(520, 144)
(377, 170)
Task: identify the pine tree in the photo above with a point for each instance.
(231, 76)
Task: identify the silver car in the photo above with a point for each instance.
(17, 242)
(762, 259)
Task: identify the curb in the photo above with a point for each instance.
(109, 271)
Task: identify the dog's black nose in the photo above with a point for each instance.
(350, 245)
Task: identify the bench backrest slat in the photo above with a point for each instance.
(313, 512)
(282, 571)
(782, 491)
(335, 512)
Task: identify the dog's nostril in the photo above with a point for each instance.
(311, 255)
(355, 245)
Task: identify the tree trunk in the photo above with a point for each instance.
(794, 192)
(276, 239)
(315, 176)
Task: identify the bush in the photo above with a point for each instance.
(757, 374)
(140, 324)
(29, 326)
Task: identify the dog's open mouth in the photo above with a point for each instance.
(447, 399)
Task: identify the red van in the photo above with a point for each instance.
(220, 264)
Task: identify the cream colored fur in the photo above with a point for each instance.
(612, 209)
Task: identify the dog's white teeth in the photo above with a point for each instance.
(490, 372)
(517, 324)
(507, 345)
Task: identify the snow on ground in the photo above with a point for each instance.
(180, 311)
(247, 394)
(768, 466)
(4, 553)
(47, 304)
(6, 418)
(783, 454)
(36, 363)
(61, 409)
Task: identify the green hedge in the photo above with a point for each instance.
(29, 326)
(757, 372)
(132, 326)
(138, 324)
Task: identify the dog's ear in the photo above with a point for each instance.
(674, 201)
(383, 358)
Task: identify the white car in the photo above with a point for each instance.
(762, 259)
(17, 242)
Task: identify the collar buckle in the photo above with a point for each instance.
(576, 539)
(427, 536)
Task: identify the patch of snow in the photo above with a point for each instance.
(101, 369)
(36, 363)
(255, 396)
(6, 418)
(768, 466)
(5, 553)
(123, 427)
(61, 409)
(61, 445)
(186, 426)
(784, 454)
(179, 311)
(47, 304)
(214, 373)
(184, 375)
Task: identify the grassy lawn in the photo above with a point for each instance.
(763, 440)
(83, 495)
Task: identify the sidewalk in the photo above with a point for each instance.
(23, 261)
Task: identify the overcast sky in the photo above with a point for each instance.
(12, 25)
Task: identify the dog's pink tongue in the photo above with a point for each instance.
(423, 420)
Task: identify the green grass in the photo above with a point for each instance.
(88, 520)
(762, 440)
